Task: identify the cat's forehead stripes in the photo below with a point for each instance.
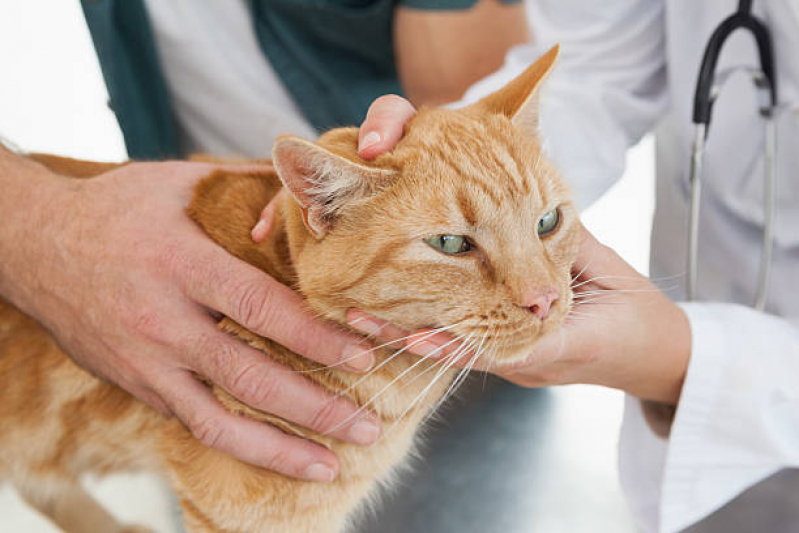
(484, 157)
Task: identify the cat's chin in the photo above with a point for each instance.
(509, 355)
(516, 348)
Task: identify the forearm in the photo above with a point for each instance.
(441, 53)
(27, 205)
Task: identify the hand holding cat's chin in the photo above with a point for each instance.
(622, 332)
(126, 282)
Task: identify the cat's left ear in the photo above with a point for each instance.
(323, 183)
(518, 100)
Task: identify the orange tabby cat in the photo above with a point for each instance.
(463, 226)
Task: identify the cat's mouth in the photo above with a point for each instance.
(510, 342)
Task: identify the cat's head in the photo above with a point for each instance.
(465, 225)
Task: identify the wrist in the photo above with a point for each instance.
(30, 203)
(660, 362)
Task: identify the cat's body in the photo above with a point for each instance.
(64, 422)
(59, 422)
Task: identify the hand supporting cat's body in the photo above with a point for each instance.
(377, 236)
(66, 422)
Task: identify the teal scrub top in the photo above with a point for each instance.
(333, 56)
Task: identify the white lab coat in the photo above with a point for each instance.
(626, 66)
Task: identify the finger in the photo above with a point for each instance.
(431, 343)
(267, 219)
(384, 125)
(219, 281)
(388, 334)
(153, 399)
(262, 383)
(253, 442)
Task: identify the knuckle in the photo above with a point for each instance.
(279, 459)
(219, 357)
(255, 385)
(252, 306)
(326, 416)
(171, 258)
(209, 431)
(146, 323)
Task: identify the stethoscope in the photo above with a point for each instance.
(708, 87)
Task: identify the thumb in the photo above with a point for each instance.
(384, 125)
(267, 219)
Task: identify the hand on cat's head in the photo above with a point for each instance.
(594, 344)
(621, 332)
(464, 225)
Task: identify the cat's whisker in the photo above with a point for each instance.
(612, 291)
(466, 345)
(397, 353)
(457, 381)
(461, 375)
(386, 387)
(488, 367)
(342, 393)
(585, 267)
(384, 345)
(450, 363)
(595, 300)
(463, 372)
(597, 278)
(583, 313)
(447, 362)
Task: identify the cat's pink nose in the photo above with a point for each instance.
(539, 302)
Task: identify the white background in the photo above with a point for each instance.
(52, 99)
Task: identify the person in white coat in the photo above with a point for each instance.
(626, 68)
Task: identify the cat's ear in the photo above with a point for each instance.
(323, 183)
(518, 100)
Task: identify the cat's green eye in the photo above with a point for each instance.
(449, 244)
(548, 223)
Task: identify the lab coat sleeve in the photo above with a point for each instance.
(607, 90)
(737, 421)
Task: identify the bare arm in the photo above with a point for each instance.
(439, 54)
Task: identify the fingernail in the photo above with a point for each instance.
(425, 349)
(363, 432)
(366, 326)
(319, 472)
(370, 139)
(357, 358)
(258, 229)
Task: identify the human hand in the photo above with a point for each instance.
(128, 285)
(622, 332)
(379, 133)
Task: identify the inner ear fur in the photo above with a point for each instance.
(322, 182)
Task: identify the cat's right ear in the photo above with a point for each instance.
(323, 183)
(518, 100)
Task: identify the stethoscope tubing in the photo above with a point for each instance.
(707, 90)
